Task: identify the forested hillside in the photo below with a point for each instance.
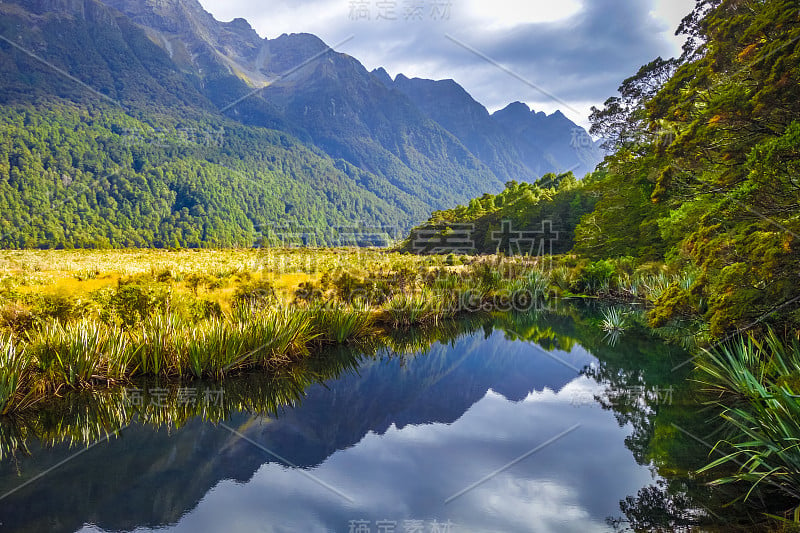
(96, 177)
(517, 221)
(705, 172)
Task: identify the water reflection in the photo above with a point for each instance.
(369, 436)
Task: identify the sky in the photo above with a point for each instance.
(551, 54)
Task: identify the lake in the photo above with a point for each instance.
(514, 423)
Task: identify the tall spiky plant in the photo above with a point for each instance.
(15, 366)
(757, 385)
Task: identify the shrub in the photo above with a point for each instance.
(195, 281)
(597, 278)
(14, 365)
(164, 276)
(130, 303)
(57, 306)
(307, 292)
(254, 294)
(352, 289)
(203, 309)
(16, 318)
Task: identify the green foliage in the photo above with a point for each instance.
(71, 355)
(132, 301)
(597, 278)
(705, 173)
(308, 293)
(254, 294)
(339, 325)
(75, 177)
(17, 318)
(555, 203)
(14, 369)
(614, 319)
(57, 306)
(371, 290)
(202, 309)
(195, 280)
(758, 382)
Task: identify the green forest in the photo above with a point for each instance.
(78, 177)
(705, 175)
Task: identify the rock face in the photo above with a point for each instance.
(194, 39)
(536, 143)
(325, 98)
(516, 143)
(563, 144)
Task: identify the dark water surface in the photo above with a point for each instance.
(533, 424)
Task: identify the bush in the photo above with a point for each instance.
(164, 276)
(16, 318)
(130, 302)
(254, 294)
(352, 289)
(195, 281)
(203, 309)
(58, 307)
(597, 278)
(307, 292)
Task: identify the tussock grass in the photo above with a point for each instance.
(14, 372)
(614, 320)
(756, 383)
(341, 325)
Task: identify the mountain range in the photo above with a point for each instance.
(148, 122)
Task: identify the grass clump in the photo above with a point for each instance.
(254, 294)
(14, 372)
(614, 319)
(342, 325)
(755, 383)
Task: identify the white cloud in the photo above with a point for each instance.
(504, 14)
(577, 50)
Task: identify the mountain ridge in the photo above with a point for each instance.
(490, 137)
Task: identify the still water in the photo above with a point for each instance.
(503, 426)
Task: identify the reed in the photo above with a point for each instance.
(71, 355)
(338, 325)
(424, 308)
(276, 336)
(209, 314)
(538, 282)
(158, 343)
(213, 348)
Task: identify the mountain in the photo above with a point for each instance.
(325, 98)
(564, 145)
(516, 143)
(108, 107)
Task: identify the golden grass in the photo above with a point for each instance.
(83, 319)
(80, 272)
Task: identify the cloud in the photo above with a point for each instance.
(576, 50)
